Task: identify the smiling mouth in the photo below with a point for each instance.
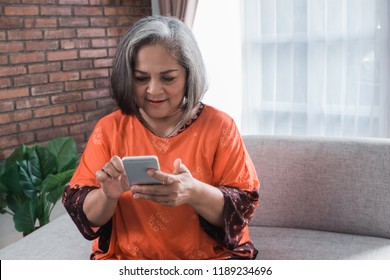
(155, 101)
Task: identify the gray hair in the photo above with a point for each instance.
(179, 41)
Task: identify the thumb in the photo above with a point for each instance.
(179, 167)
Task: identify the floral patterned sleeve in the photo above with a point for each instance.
(239, 209)
(73, 200)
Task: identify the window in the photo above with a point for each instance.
(316, 68)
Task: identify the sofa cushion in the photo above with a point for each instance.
(297, 244)
(329, 184)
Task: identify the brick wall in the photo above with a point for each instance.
(55, 62)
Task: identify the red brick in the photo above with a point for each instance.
(8, 129)
(41, 2)
(40, 22)
(6, 106)
(73, 2)
(56, 11)
(69, 119)
(32, 34)
(11, 47)
(107, 102)
(16, 140)
(75, 44)
(106, 62)
(97, 114)
(93, 53)
(88, 11)
(28, 80)
(64, 76)
(126, 21)
(11, 22)
(5, 82)
(71, 108)
(86, 105)
(49, 111)
(104, 42)
(96, 73)
(100, 2)
(116, 31)
(115, 21)
(53, 132)
(91, 32)
(15, 116)
(13, 93)
(35, 124)
(97, 93)
(112, 52)
(31, 102)
(44, 68)
(21, 10)
(47, 89)
(73, 21)
(61, 55)
(42, 45)
(60, 34)
(3, 59)
(12, 70)
(77, 64)
(102, 83)
(27, 57)
(79, 138)
(73, 86)
(85, 127)
(104, 21)
(117, 11)
(66, 98)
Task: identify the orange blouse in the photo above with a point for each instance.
(212, 149)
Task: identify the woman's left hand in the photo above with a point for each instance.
(175, 190)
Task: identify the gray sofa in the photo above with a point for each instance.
(321, 199)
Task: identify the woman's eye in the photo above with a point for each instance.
(141, 79)
(168, 79)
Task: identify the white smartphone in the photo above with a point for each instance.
(136, 168)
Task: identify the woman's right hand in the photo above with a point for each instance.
(113, 179)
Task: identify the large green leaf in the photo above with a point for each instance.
(27, 180)
(10, 179)
(65, 150)
(3, 196)
(46, 161)
(25, 216)
(54, 185)
(19, 153)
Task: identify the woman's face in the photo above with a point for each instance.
(159, 82)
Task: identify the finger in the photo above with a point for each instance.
(117, 164)
(165, 178)
(179, 167)
(153, 190)
(102, 176)
(111, 171)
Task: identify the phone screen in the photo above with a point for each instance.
(136, 168)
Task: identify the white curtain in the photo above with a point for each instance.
(316, 67)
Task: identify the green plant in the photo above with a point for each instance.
(33, 179)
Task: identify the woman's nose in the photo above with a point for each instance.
(154, 87)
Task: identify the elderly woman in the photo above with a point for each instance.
(210, 187)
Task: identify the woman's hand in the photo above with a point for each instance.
(181, 188)
(175, 190)
(113, 179)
